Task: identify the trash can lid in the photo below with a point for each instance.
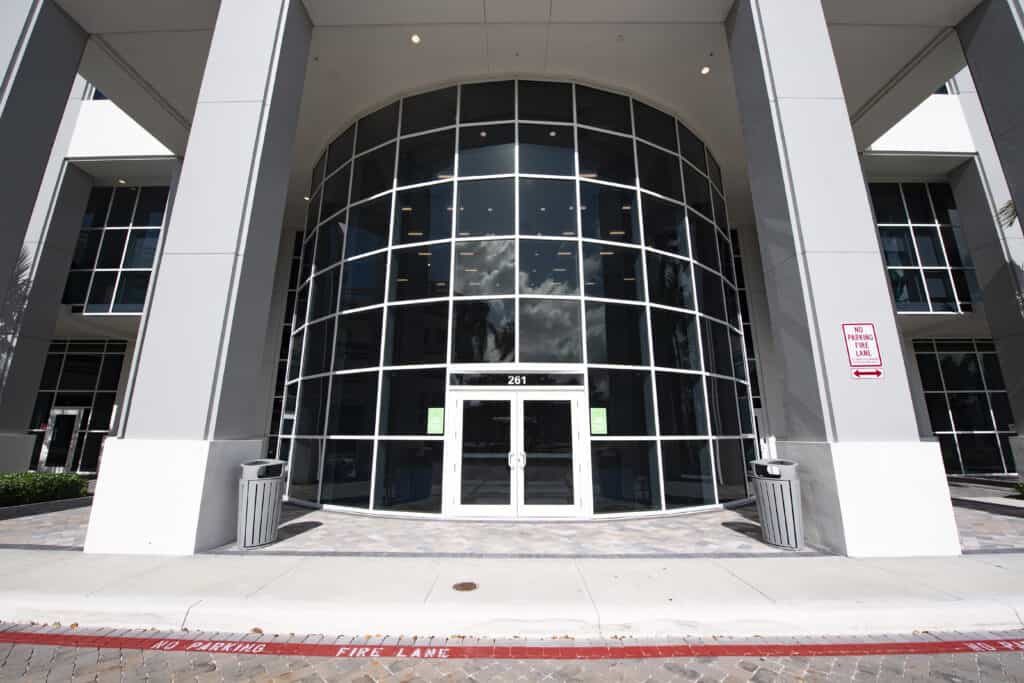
(262, 469)
(774, 469)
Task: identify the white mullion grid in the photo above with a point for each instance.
(712, 450)
(651, 372)
(96, 260)
(124, 251)
(291, 340)
(945, 256)
(988, 400)
(917, 252)
(949, 408)
(384, 314)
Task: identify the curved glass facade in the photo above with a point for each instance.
(486, 232)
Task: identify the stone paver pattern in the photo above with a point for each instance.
(733, 532)
(25, 662)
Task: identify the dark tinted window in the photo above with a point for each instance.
(612, 272)
(675, 340)
(547, 207)
(353, 403)
(550, 331)
(347, 469)
(659, 172)
(609, 213)
(484, 331)
(419, 272)
(487, 150)
(373, 173)
(654, 126)
(417, 334)
(681, 404)
(150, 210)
(669, 281)
(606, 157)
(625, 475)
(548, 267)
(602, 109)
(409, 476)
(378, 127)
(484, 267)
(546, 149)
(362, 282)
(486, 207)
(665, 226)
(424, 213)
(357, 342)
(488, 102)
(625, 396)
(430, 110)
(368, 227)
(426, 157)
(540, 101)
(616, 334)
(686, 466)
(406, 397)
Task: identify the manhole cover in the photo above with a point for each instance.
(464, 586)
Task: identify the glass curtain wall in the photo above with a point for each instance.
(516, 224)
(968, 404)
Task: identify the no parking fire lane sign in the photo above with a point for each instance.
(862, 350)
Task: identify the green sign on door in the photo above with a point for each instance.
(599, 421)
(435, 420)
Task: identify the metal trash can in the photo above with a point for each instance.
(260, 491)
(777, 490)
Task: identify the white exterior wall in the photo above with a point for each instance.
(936, 126)
(104, 131)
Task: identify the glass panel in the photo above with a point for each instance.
(51, 371)
(101, 292)
(357, 343)
(304, 470)
(1001, 411)
(368, 227)
(654, 126)
(908, 290)
(488, 102)
(547, 441)
(609, 213)
(917, 203)
(378, 127)
(417, 334)
(616, 334)
(141, 248)
(602, 109)
(961, 371)
(150, 210)
(993, 373)
(970, 412)
(698, 191)
(897, 247)
(335, 197)
(691, 148)
(103, 409)
(709, 289)
(722, 402)
(419, 272)
(548, 267)
(409, 476)
(686, 466)
(484, 267)
(330, 238)
(86, 248)
(980, 453)
(487, 150)
(131, 292)
(665, 226)
(625, 476)
(731, 468)
(347, 468)
(486, 207)
(486, 444)
(703, 241)
(887, 202)
(549, 331)
(484, 332)
(112, 249)
(80, 372)
(426, 157)
(717, 352)
(604, 156)
(945, 206)
(928, 247)
(373, 173)
(424, 214)
(76, 287)
(625, 396)
(362, 282)
(123, 207)
(659, 172)
(547, 207)
(325, 294)
(940, 290)
(669, 281)
(681, 404)
(612, 272)
(546, 149)
(353, 404)
(96, 208)
(542, 101)
(312, 410)
(675, 340)
(406, 396)
(340, 150)
(430, 110)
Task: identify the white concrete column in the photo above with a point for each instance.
(40, 49)
(992, 37)
(997, 250)
(872, 488)
(194, 408)
(33, 290)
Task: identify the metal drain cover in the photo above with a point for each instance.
(463, 586)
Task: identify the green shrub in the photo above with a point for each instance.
(37, 487)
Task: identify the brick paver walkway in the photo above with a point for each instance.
(28, 662)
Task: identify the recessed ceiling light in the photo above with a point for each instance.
(705, 70)
(415, 39)
(483, 133)
(122, 181)
(306, 198)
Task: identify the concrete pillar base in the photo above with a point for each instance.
(1017, 448)
(167, 497)
(16, 452)
(875, 499)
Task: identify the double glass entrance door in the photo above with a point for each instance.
(518, 455)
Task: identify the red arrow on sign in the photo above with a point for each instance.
(867, 373)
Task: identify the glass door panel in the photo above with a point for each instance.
(548, 445)
(486, 447)
(60, 439)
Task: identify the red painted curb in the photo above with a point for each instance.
(430, 651)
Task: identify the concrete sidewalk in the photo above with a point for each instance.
(525, 598)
